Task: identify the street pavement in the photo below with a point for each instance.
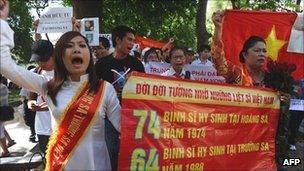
(23, 150)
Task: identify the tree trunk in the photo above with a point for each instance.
(201, 31)
(298, 2)
(85, 9)
(235, 4)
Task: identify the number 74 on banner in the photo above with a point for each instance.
(153, 125)
(140, 160)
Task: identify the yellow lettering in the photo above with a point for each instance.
(219, 118)
(248, 147)
(203, 117)
(58, 149)
(175, 117)
(173, 133)
(173, 153)
(173, 167)
(264, 146)
(216, 150)
(201, 151)
(248, 119)
(73, 128)
(65, 140)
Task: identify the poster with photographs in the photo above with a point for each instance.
(90, 29)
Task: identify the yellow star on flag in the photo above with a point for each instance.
(273, 45)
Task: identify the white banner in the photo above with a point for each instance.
(56, 20)
(296, 104)
(200, 73)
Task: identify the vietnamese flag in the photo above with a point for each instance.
(146, 42)
(274, 27)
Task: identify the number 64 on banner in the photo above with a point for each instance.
(153, 126)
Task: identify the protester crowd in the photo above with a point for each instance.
(71, 68)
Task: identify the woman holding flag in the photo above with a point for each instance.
(77, 100)
(252, 56)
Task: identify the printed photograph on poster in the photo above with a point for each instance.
(89, 37)
(89, 25)
(107, 36)
(90, 29)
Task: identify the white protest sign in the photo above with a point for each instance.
(90, 29)
(204, 73)
(56, 20)
(200, 73)
(296, 104)
(156, 68)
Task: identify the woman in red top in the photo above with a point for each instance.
(252, 56)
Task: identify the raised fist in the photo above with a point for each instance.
(217, 18)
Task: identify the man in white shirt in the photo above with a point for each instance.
(28, 115)
(204, 54)
(178, 60)
(42, 53)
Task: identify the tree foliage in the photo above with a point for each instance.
(159, 20)
(21, 21)
(274, 5)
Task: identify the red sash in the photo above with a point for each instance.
(77, 119)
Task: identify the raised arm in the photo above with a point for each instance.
(35, 26)
(217, 49)
(168, 44)
(9, 68)
(76, 24)
(225, 68)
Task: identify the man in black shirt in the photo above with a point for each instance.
(114, 68)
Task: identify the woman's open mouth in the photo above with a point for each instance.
(76, 61)
(261, 60)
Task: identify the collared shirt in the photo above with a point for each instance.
(199, 62)
(171, 73)
(43, 119)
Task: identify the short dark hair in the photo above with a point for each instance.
(42, 50)
(120, 32)
(188, 51)
(249, 43)
(148, 52)
(203, 47)
(175, 48)
(158, 49)
(105, 42)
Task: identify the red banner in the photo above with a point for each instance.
(146, 42)
(174, 124)
(274, 27)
